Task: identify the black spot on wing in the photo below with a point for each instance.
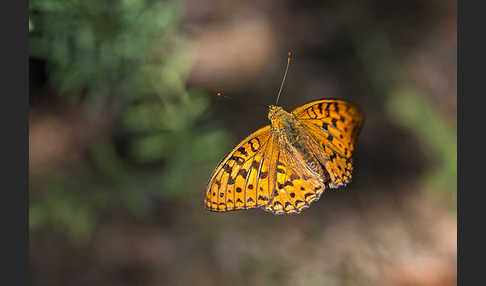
(243, 173)
(277, 204)
(297, 202)
(255, 165)
(242, 151)
(227, 168)
(326, 110)
(252, 146)
(287, 183)
(312, 115)
(308, 195)
(325, 126)
(294, 177)
(238, 160)
(262, 198)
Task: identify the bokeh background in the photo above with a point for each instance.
(126, 127)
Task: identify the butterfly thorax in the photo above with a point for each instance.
(284, 124)
(292, 136)
(281, 120)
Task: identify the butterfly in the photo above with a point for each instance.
(285, 166)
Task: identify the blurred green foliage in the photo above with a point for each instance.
(129, 56)
(103, 47)
(411, 109)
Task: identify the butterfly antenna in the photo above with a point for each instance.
(285, 75)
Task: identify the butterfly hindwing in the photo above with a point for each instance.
(293, 192)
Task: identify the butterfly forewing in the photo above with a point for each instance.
(335, 124)
(239, 180)
(338, 119)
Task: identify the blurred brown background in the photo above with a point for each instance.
(126, 127)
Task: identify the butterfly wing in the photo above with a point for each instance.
(244, 177)
(295, 189)
(335, 124)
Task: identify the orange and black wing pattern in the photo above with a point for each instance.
(335, 124)
(244, 177)
(267, 171)
(293, 191)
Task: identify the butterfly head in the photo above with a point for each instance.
(278, 116)
(274, 112)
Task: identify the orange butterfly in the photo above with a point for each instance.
(285, 166)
